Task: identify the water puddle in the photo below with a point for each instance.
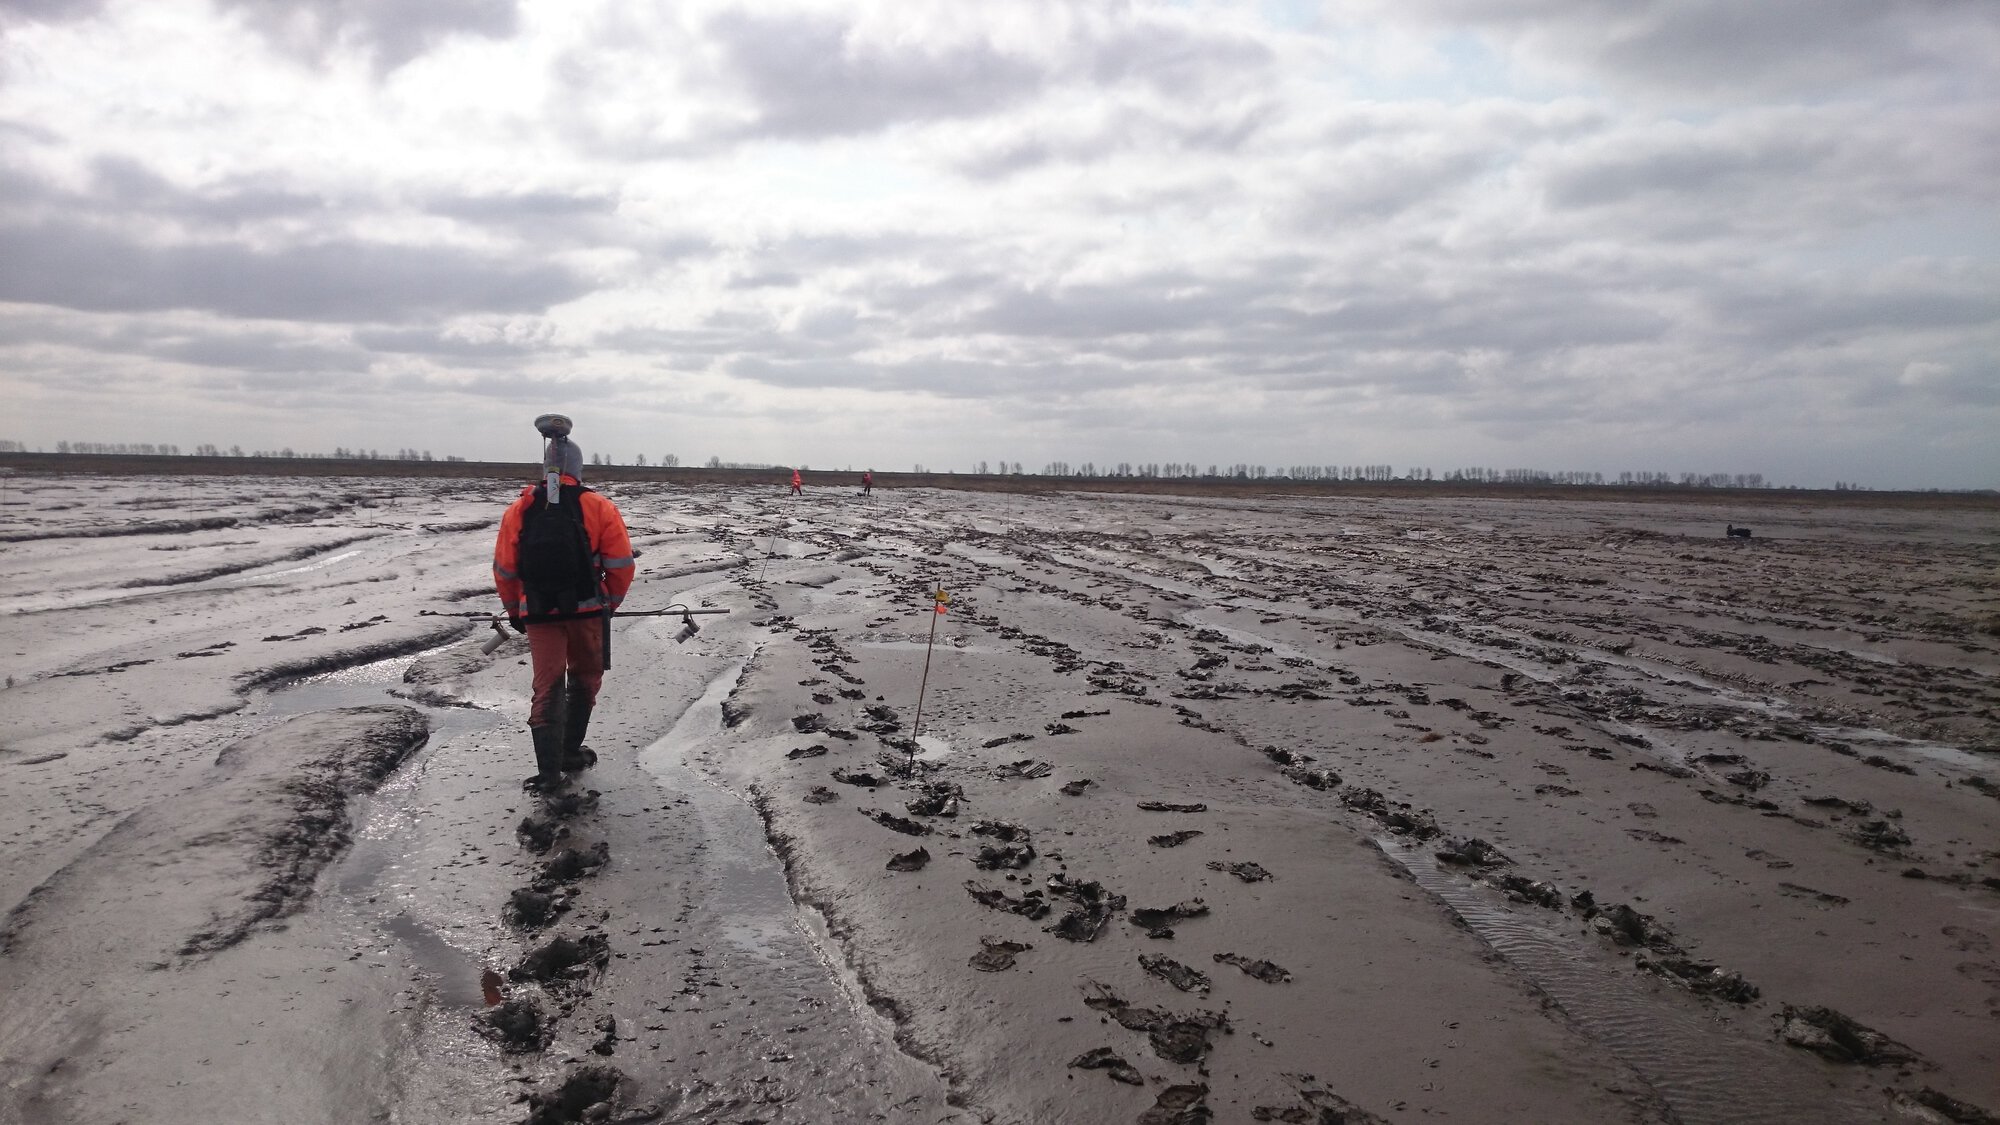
(1710, 1071)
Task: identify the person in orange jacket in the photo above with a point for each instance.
(798, 484)
(560, 570)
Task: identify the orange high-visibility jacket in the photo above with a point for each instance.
(610, 550)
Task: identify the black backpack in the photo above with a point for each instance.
(553, 556)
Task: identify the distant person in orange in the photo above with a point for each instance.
(867, 481)
(798, 484)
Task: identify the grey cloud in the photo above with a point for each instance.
(391, 31)
(1198, 129)
(228, 347)
(1722, 49)
(808, 78)
(527, 206)
(49, 11)
(82, 267)
(433, 342)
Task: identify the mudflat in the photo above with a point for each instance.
(1187, 808)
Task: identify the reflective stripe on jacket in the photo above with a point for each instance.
(610, 551)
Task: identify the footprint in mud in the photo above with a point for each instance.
(1701, 977)
(570, 864)
(531, 909)
(1094, 907)
(1076, 788)
(538, 835)
(1794, 890)
(821, 795)
(517, 1025)
(562, 958)
(587, 1093)
(816, 750)
(996, 955)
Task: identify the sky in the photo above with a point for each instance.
(1650, 235)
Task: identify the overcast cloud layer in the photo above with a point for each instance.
(1666, 235)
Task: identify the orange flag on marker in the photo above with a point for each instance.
(942, 600)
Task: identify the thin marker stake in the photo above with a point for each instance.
(917, 728)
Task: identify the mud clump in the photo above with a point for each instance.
(563, 957)
(1031, 905)
(1522, 889)
(1076, 788)
(570, 864)
(1473, 852)
(1173, 972)
(1267, 971)
(538, 836)
(997, 956)
(1175, 1037)
(816, 750)
(1881, 836)
(1626, 926)
(1094, 907)
(1702, 977)
(1173, 839)
(1246, 871)
(1179, 1105)
(807, 724)
(1398, 817)
(1108, 1061)
(936, 798)
(1838, 1038)
(569, 806)
(896, 823)
(821, 795)
(910, 861)
(862, 778)
(587, 1093)
(531, 909)
(1168, 806)
(516, 1025)
(1932, 1105)
(1319, 1106)
(1158, 918)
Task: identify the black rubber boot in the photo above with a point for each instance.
(548, 760)
(576, 756)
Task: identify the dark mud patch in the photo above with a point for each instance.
(531, 909)
(896, 823)
(1168, 806)
(1935, 1107)
(1173, 839)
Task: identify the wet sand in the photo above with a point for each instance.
(1252, 809)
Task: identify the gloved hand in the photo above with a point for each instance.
(520, 626)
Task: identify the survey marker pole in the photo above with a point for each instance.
(937, 610)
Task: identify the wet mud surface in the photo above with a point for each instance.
(1219, 810)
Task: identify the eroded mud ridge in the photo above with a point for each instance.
(1237, 809)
